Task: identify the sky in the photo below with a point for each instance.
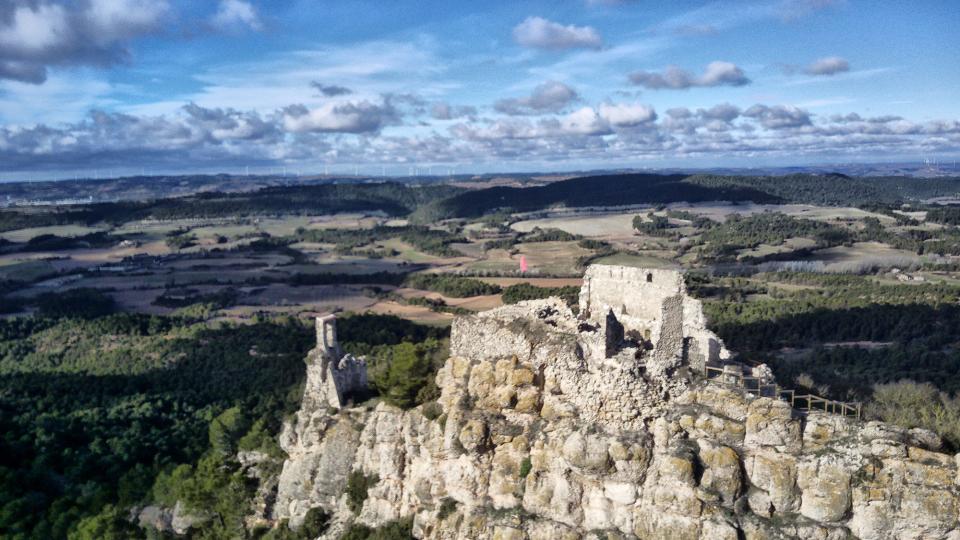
(114, 87)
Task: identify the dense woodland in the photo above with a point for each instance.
(388, 197)
(101, 412)
(841, 335)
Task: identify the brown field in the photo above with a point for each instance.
(612, 225)
(418, 314)
(542, 257)
(862, 251)
(23, 235)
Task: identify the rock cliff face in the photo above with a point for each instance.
(600, 426)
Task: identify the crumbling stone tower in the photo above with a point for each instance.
(342, 375)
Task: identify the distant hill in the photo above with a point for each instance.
(625, 189)
(391, 198)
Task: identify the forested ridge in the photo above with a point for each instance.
(626, 189)
(391, 198)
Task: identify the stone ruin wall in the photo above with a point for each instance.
(635, 295)
(648, 300)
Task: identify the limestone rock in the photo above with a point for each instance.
(599, 426)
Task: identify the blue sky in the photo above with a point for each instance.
(124, 86)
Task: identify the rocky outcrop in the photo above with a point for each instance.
(177, 520)
(555, 426)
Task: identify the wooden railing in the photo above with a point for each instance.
(801, 402)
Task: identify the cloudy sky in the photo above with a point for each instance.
(124, 86)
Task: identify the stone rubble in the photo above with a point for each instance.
(555, 426)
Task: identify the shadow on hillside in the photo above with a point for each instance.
(613, 190)
(921, 335)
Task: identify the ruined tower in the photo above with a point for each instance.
(342, 375)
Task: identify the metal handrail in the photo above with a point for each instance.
(811, 402)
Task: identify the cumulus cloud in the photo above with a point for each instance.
(673, 78)
(236, 14)
(828, 66)
(778, 116)
(445, 111)
(718, 118)
(361, 117)
(38, 34)
(724, 112)
(584, 121)
(196, 135)
(627, 115)
(361, 132)
(540, 33)
(551, 96)
(330, 90)
(229, 124)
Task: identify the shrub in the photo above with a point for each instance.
(447, 506)
(314, 523)
(408, 371)
(917, 405)
(525, 291)
(525, 467)
(453, 286)
(358, 484)
(394, 530)
(432, 410)
(181, 241)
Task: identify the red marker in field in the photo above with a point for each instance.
(523, 264)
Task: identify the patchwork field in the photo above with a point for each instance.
(271, 265)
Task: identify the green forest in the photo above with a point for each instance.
(103, 412)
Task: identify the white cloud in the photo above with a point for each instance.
(716, 74)
(627, 115)
(114, 20)
(361, 117)
(828, 66)
(540, 33)
(551, 96)
(444, 111)
(38, 34)
(34, 29)
(779, 116)
(584, 121)
(232, 14)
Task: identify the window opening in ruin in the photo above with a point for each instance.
(649, 278)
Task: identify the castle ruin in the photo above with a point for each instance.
(652, 306)
(341, 374)
(560, 425)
